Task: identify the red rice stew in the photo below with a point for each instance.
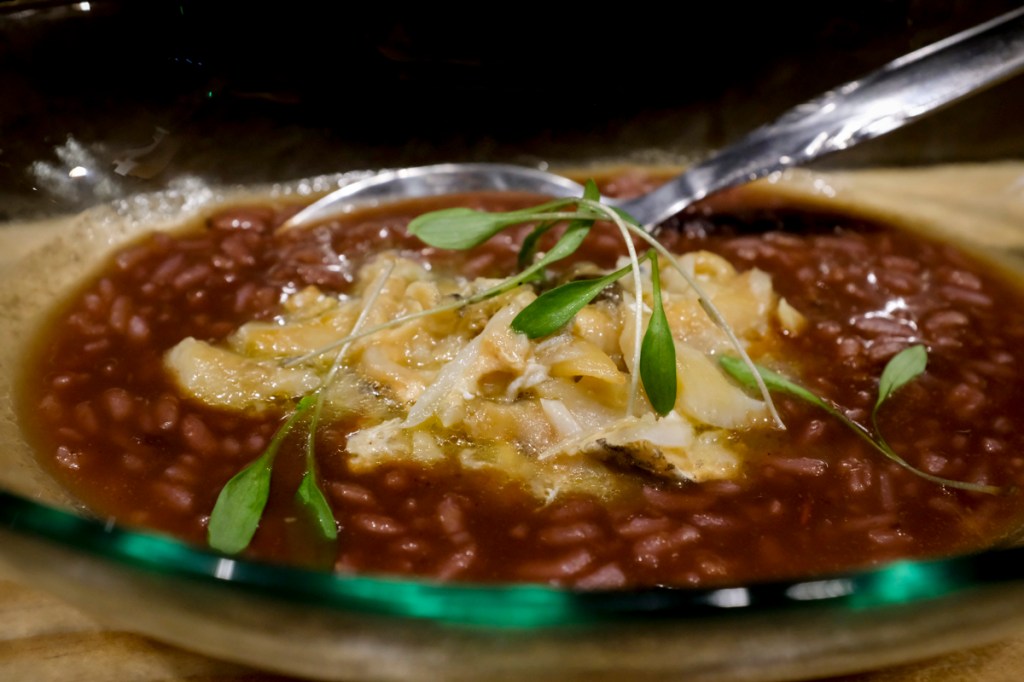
(113, 428)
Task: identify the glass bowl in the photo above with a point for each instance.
(333, 626)
(186, 146)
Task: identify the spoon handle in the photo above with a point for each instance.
(903, 90)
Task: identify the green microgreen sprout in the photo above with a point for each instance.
(638, 306)
(464, 228)
(309, 495)
(658, 353)
(240, 504)
(556, 307)
(903, 368)
(236, 514)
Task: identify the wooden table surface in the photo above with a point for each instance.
(45, 640)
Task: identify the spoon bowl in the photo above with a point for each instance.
(904, 90)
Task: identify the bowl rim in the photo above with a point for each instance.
(508, 605)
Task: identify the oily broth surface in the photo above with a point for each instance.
(830, 505)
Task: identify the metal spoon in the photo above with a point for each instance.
(902, 91)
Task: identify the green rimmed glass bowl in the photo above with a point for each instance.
(331, 626)
(336, 627)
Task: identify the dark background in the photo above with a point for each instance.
(139, 93)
